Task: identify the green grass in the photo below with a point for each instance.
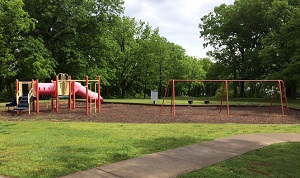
(278, 160)
(213, 101)
(52, 149)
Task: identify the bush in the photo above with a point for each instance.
(219, 92)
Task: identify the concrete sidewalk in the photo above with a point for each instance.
(182, 160)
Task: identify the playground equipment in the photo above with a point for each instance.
(62, 87)
(13, 103)
(279, 86)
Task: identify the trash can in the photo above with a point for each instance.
(154, 96)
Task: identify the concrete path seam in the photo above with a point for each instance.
(176, 158)
(284, 137)
(99, 168)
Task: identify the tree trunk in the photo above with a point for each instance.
(145, 82)
(291, 90)
(242, 89)
(145, 88)
(123, 91)
(235, 90)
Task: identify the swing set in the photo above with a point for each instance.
(278, 87)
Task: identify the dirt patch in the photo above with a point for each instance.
(128, 113)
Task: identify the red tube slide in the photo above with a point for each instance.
(49, 89)
(81, 91)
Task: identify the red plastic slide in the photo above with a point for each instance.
(49, 89)
(81, 91)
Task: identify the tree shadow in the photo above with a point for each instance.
(164, 143)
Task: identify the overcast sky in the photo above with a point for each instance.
(177, 20)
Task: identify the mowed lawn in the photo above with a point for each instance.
(278, 160)
(52, 149)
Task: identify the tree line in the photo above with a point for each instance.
(254, 39)
(41, 38)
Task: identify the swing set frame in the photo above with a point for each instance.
(279, 86)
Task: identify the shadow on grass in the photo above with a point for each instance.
(164, 143)
(67, 160)
(149, 146)
(71, 159)
(5, 128)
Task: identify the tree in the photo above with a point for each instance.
(14, 22)
(164, 67)
(75, 32)
(40, 38)
(281, 52)
(125, 63)
(236, 32)
(146, 54)
(193, 69)
(34, 60)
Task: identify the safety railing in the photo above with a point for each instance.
(30, 94)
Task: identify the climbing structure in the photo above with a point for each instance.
(62, 87)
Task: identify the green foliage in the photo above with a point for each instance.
(235, 32)
(35, 60)
(125, 61)
(14, 22)
(73, 31)
(219, 93)
(255, 39)
(143, 58)
(281, 51)
(88, 38)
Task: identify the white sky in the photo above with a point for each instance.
(177, 20)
